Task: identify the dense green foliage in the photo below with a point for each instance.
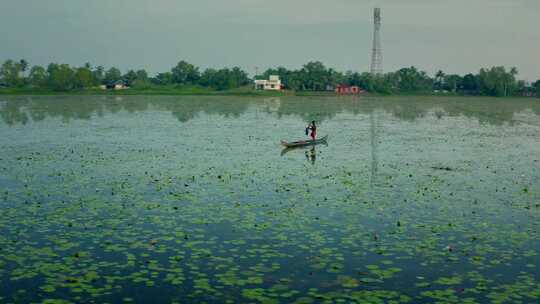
(496, 81)
(224, 78)
(313, 76)
(185, 73)
(11, 73)
(62, 77)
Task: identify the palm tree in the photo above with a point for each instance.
(23, 65)
(439, 77)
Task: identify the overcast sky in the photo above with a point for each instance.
(457, 36)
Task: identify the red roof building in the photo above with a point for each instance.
(348, 90)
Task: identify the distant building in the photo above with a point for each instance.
(528, 94)
(273, 84)
(348, 90)
(119, 85)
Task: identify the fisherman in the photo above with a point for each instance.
(313, 129)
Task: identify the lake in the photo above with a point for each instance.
(193, 200)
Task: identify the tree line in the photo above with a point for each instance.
(313, 76)
(63, 77)
(495, 81)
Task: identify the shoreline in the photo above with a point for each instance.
(250, 93)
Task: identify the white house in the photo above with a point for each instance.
(273, 84)
(120, 85)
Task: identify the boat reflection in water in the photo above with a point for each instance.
(311, 154)
(309, 151)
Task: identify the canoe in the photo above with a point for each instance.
(302, 143)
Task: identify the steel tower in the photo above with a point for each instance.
(376, 56)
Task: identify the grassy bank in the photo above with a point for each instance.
(203, 91)
(149, 90)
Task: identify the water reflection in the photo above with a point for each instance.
(202, 196)
(311, 155)
(310, 152)
(374, 149)
(23, 109)
(287, 150)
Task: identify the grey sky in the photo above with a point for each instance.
(457, 36)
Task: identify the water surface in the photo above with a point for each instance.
(191, 199)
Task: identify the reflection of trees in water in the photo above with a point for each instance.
(185, 109)
(408, 112)
(318, 108)
(22, 109)
(490, 111)
(12, 113)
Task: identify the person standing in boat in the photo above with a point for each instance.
(313, 128)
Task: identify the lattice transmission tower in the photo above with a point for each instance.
(376, 56)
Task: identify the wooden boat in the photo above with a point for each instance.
(303, 143)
